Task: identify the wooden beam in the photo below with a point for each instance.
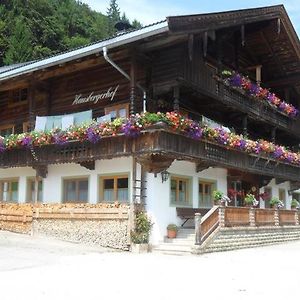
(283, 81)
(90, 165)
(41, 170)
(133, 85)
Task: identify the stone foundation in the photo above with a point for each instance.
(110, 233)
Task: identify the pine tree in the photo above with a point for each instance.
(114, 15)
(20, 44)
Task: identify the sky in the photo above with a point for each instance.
(150, 11)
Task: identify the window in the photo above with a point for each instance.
(30, 197)
(205, 193)
(75, 190)
(118, 111)
(268, 196)
(26, 126)
(18, 96)
(180, 191)
(114, 188)
(9, 190)
(7, 130)
(282, 196)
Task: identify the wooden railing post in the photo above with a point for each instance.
(252, 217)
(197, 229)
(276, 217)
(296, 218)
(222, 216)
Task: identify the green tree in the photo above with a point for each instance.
(20, 44)
(114, 15)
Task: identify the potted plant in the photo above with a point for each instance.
(140, 235)
(218, 196)
(172, 231)
(294, 204)
(276, 203)
(250, 200)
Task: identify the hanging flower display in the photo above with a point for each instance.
(133, 126)
(243, 83)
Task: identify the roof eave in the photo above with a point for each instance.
(114, 42)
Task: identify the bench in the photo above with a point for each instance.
(187, 213)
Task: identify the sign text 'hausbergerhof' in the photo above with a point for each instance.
(94, 98)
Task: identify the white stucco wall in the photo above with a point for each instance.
(275, 192)
(158, 194)
(52, 184)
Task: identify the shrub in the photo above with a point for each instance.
(142, 230)
(172, 227)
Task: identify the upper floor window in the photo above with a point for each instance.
(118, 111)
(18, 96)
(6, 130)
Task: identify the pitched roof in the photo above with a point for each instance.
(115, 41)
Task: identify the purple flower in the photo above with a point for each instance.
(130, 129)
(289, 158)
(2, 146)
(257, 148)
(59, 139)
(26, 141)
(254, 89)
(236, 80)
(243, 144)
(92, 135)
(194, 131)
(278, 152)
(282, 106)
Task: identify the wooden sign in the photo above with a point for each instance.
(94, 98)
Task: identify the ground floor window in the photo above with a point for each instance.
(205, 193)
(180, 191)
(31, 190)
(282, 196)
(9, 190)
(114, 188)
(268, 196)
(75, 190)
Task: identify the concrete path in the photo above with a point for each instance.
(40, 268)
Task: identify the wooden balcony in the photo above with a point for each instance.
(155, 149)
(207, 84)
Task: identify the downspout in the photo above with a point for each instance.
(108, 59)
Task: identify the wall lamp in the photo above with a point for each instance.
(164, 176)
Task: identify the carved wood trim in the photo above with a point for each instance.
(90, 165)
(41, 170)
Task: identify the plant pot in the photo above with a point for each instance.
(139, 248)
(171, 234)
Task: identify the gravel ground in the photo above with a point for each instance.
(43, 268)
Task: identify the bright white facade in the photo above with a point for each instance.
(158, 199)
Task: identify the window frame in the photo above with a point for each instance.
(10, 181)
(13, 103)
(76, 179)
(7, 126)
(29, 190)
(214, 186)
(117, 108)
(116, 176)
(188, 192)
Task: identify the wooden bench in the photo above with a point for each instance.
(187, 213)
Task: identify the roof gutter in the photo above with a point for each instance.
(89, 50)
(109, 60)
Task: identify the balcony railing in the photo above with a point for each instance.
(166, 145)
(208, 84)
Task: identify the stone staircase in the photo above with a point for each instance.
(226, 239)
(181, 245)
